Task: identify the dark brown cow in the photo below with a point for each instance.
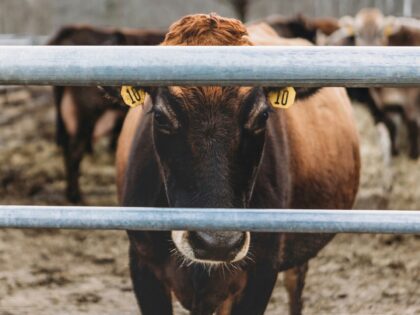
(226, 147)
(371, 28)
(312, 29)
(82, 113)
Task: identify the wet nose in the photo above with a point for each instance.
(217, 246)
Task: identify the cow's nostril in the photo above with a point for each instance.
(199, 240)
(236, 241)
(220, 246)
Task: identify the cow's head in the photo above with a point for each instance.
(209, 141)
(368, 28)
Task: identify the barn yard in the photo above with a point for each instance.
(86, 272)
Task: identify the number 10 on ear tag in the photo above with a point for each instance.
(283, 98)
(132, 97)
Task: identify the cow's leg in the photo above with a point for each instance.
(150, 293)
(257, 292)
(384, 117)
(73, 154)
(74, 136)
(294, 280)
(74, 150)
(392, 129)
(409, 114)
(399, 110)
(370, 98)
(414, 136)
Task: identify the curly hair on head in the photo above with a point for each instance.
(207, 30)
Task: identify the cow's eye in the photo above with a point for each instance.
(161, 120)
(260, 122)
(264, 116)
(262, 119)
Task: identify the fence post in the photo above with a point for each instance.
(408, 8)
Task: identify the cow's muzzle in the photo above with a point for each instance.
(212, 247)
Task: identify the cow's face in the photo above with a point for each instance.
(209, 142)
(368, 28)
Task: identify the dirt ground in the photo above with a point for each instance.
(86, 272)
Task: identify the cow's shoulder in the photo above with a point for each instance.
(324, 150)
(262, 34)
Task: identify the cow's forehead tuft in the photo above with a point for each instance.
(369, 17)
(207, 30)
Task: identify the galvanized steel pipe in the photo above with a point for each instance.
(258, 220)
(264, 65)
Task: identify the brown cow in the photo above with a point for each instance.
(83, 115)
(224, 147)
(371, 28)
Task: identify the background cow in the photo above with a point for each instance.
(226, 147)
(371, 28)
(83, 115)
(315, 30)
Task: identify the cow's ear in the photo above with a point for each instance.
(346, 24)
(285, 97)
(341, 37)
(131, 96)
(303, 93)
(111, 93)
(344, 35)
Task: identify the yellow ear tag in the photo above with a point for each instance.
(132, 97)
(283, 98)
(388, 30)
(349, 30)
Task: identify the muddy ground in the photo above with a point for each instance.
(86, 272)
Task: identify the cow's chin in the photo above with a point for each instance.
(180, 239)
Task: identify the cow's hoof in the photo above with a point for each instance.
(74, 198)
(395, 152)
(414, 154)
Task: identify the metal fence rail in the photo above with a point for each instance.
(273, 66)
(267, 220)
(16, 40)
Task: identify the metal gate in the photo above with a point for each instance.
(266, 66)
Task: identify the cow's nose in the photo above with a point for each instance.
(216, 246)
